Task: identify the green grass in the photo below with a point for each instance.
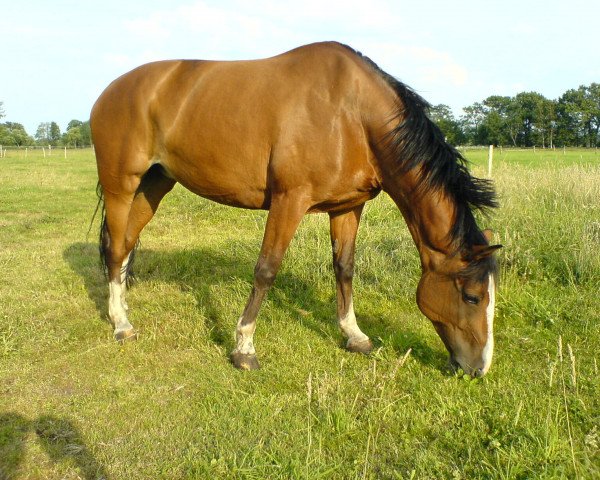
(540, 158)
(74, 404)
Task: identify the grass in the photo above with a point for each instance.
(74, 404)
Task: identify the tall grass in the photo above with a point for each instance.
(74, 404)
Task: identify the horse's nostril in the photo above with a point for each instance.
(478, 373)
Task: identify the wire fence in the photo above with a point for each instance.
(37, 151)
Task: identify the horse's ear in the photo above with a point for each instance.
(488, 234)
(479, 252)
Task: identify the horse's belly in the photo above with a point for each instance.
(243, 186)
(232, 197)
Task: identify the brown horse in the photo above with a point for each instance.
(318, 129)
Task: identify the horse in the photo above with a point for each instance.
(320, 128)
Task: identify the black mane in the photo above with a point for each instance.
(417, 142)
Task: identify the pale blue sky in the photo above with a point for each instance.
(57, 56)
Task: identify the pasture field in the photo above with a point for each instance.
(75, 404)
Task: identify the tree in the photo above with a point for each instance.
(72, 137)
(450, 127)
(42, 134)
(571, 117)
(524, 120)
(48, 133)
(86, 133)
(592, 113)
(74, 123)
(471, 122)
(545, 121)
(531, 107)
(54, 134)
(78, 134)
(578, 116)
(2, 128)
(14, 134)
(501, 123)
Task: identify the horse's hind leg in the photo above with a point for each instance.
(116, 254)
(126, 216)
(284, 216)
(343, 227)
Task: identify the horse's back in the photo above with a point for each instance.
(226, 130)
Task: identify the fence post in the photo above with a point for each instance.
(44, 150)
(490, 159)
(65, 152)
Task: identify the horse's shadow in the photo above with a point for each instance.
(199, 270)
(58, 437)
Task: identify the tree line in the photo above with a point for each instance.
(525, 120)
(77, 134)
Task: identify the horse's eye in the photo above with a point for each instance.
(472, 299)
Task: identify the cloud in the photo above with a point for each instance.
(439, 66)
(149, 28)
(430, 67)
(235, 29)
(266, 27)
(117, 60)
(263, 27)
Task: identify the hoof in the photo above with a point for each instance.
(126, 336)
(244, 361)
(361, 346)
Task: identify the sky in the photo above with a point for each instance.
(57, 56)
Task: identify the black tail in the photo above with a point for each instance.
(104, 242)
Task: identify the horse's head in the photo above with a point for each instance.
(459, 299)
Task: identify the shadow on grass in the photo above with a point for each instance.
(199, 270)
(83, 258)
(58, 437)
(402, 341)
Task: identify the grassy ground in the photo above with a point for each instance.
(74, 404)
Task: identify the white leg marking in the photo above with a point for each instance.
(244, 338)
(488, 350)
(349, 326)
(116, 311)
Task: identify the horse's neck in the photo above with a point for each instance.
(429, 216)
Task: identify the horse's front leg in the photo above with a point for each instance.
(284, 216)
(343, 227)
